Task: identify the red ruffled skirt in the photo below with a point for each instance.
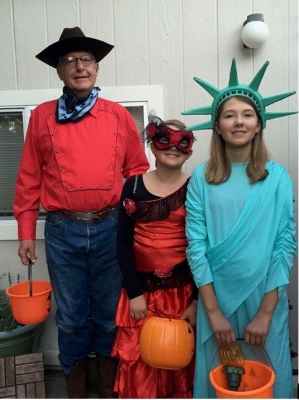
(136, 379)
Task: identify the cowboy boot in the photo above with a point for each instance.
(76, 381)
(107, 368)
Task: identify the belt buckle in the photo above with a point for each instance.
(90, 218)
(85, 218)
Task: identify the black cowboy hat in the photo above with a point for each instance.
(73, 39)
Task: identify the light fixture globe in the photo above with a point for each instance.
(255, 32)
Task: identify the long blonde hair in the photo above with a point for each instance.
(219, 166)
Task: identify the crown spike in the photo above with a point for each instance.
(272, 115)
(198, 111)
(212, 90)
(256, 81)
(198, 127)
(233, 76)
(273, 99)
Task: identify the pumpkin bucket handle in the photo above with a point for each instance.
(242, 339)
(30, 277)
(159, 313)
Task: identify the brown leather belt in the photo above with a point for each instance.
(87, 218)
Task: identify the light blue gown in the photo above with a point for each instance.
(241, 237)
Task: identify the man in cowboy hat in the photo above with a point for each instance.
(77, 152)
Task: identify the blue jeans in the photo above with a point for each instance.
(86, 281)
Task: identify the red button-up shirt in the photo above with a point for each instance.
(75, 166)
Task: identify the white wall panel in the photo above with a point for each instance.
(131, 42)
(30, 38)
(166, 51)
(8, 73)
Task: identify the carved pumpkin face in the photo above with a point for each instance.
(166, 343)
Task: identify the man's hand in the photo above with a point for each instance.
(27, 251)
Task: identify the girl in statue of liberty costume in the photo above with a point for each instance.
(240, 229)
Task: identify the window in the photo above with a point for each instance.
(15, 109)
(11, 145)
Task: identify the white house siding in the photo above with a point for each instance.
(158, 42)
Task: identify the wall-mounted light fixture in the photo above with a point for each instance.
(255, 32)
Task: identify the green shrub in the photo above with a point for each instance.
(7, 321)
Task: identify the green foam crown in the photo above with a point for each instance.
(235, 89)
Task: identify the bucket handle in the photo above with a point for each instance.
(159, 313)
(242, 339)
(30, 277)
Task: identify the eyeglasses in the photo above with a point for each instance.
(71, 62)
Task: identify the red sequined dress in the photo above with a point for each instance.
(157, 267)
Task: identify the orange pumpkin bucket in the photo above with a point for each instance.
(166, 343)
(256, 383)
(30, 301)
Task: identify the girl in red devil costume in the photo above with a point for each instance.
(151, 250)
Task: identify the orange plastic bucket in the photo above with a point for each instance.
(28, 309)
(256, 383)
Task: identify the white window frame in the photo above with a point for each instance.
(150, 97)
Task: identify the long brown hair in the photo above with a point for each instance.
(219, 167)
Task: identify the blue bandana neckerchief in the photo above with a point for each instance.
(72, 109)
